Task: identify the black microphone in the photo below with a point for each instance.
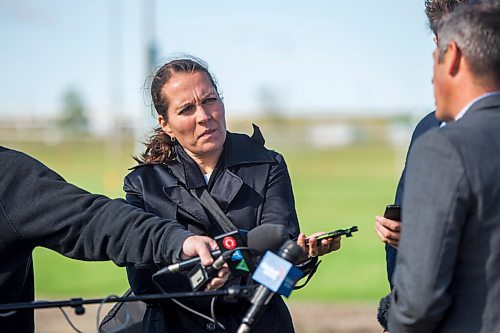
(267, 237)
(260, 239)
(290, 252)
(383, 311)
(185, 265)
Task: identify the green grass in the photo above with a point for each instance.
(333, 189)
(98, 167)
(338, 189)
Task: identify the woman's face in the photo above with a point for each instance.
(196, 116)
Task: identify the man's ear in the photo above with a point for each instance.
(453, 59)
(162, 121)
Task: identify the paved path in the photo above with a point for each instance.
(308, 318)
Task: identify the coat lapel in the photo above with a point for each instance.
(185, 201)
(225, 189)
(238, 150)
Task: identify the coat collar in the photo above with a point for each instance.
(186, 169)
(239, 149)
(488, 101)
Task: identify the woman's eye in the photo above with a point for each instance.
(186, 109)
(209, 100)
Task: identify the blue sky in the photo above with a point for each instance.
(315, 56)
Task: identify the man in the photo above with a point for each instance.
(38, 208)
(389, 230)
(447, 277)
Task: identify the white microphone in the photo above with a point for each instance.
(276, 274)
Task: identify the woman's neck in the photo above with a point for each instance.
(208, 162)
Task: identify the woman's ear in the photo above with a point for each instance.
(162, 121)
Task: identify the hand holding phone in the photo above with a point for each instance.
(393, 212)
(340, 232)
(388, 227)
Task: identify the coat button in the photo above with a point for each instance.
(211, 327)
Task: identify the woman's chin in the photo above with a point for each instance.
(210, 149)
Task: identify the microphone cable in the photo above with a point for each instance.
(98, 315)
(225, 255)
(6, 314)
(69, 320)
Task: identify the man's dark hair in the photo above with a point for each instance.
(436, 9)
(476, 31)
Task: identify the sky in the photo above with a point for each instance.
(311, 57)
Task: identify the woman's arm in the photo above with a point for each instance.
(279, 202)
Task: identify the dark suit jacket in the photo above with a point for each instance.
(425, 124)
(38, 208)
(447, 277)
(251, 185)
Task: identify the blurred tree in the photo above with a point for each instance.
(73, 118)
(269, 100)
(270, 104)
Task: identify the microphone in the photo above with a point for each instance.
(267, 237)
(383, 311)
(276, 274)
(185, 265)
(261, 238)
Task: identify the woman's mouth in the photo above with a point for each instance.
(207, 133)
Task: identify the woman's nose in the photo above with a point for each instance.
(202, 114)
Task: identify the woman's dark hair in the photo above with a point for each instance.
(159, 147)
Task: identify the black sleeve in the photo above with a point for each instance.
(279, 203)
(140, 279)
(44, 210)
(279, 207)
(425, 124)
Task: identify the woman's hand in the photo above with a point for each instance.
(314, 249)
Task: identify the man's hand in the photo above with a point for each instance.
(220, 279)
(313, 249)
(202, 246)
(388, 230)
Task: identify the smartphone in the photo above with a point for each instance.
(393, 212)
(340, 232)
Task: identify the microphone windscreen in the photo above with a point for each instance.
(267, 237)
(292, 252)
(383, 311)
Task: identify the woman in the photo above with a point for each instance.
(193, 150)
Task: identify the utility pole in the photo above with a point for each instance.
(116, 66)
(146, 124)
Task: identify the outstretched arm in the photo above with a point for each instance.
(42, 209)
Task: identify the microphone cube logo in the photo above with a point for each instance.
(277, 274)
(241, 262)
(229, 242)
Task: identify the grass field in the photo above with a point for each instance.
(334, 188)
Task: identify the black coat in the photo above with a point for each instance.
(252, 186)
(39, 208)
